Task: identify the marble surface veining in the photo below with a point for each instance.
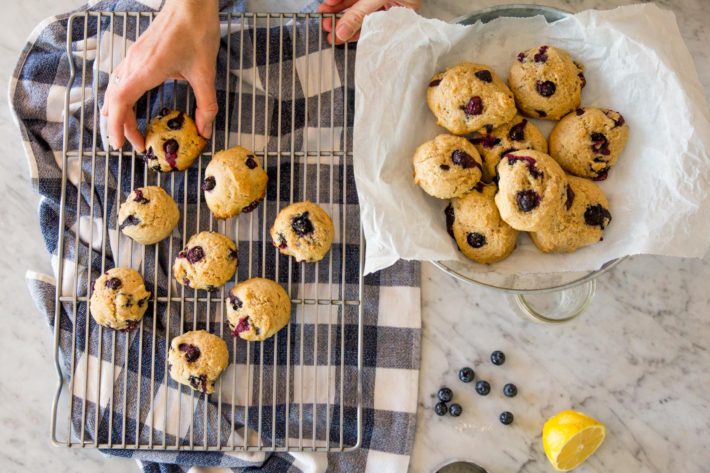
(638, 360)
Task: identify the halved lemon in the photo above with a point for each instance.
(570, 437)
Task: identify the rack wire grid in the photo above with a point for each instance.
(283, 94)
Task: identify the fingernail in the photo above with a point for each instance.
(344, 32)
(207, 132)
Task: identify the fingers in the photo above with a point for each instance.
(130, 129)
(118, 104)
(202, 83)
(351, 21)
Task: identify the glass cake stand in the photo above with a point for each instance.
(543, 297)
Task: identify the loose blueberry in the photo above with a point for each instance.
(510, 390)
(445, 394)
(517, 132)
(541, 56)
(455, 410)
(546, 89)
(177, 122)
(483, 388)
(476, 240)
(129, 221)
(192, 353)
(527, 200)
(474, 106)
(506, 418)
(113, 283)
(235, 301)
(485, 76)
(570, 197)
(463, 159)
(466, 374)
(529, 162)
(497, 357)
(140, 198)
(449, 212)
(209, 183)
(435, 83)
(440, 408)
(597, 216)
(195, 254)
(302, 225)
(251, 162)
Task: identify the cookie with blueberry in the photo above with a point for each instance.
(207, 262)
(234, 182)
(197, 359)
(469, 97)
(148, 215)
(582, 221)
(172, 142)
(447, 166)
(520, 133)
(257, 308)
(589, 141)
(303, 230)
(474, 222)
(531, 189)
(546, 82)
(119, 299)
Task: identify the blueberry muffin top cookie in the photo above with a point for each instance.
(546, 82)
(474, 222)
(234, 182)
(119, 299)
(207, 262)
(197, 359)
(531, 189)
(582, 221)
(447, 166)
(515, 135)
(257, 308)
(589, 141)
(148, 215)
(468, 97)
(172, 142)
(303, 230)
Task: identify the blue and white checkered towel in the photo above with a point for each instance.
(391, 312)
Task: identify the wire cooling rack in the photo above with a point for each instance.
(283, 94)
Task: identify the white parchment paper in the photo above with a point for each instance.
(636, 63)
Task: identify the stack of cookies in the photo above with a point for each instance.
(494, 165)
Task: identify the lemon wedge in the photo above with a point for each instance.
(570, 437)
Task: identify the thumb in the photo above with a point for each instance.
(202, 84)
(353, 17)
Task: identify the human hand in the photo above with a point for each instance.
(181, 43)
(347, 27)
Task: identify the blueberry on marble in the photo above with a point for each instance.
(510, 390)
(506, 418)
(466, 374)
(497, 357)
(445, 394)
(441, 409)
(483, 388)
(455, 410)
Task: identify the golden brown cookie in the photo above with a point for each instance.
(197, 358)
(447, 166)
(582, 221)
(207, 262)
(119, 299)
(303, 230)
(257, 308)
(148, 215)
(589, 141)
(468, 97)
(172, 142)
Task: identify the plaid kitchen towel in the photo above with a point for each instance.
(116, 391)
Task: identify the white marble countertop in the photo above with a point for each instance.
(639, 360)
